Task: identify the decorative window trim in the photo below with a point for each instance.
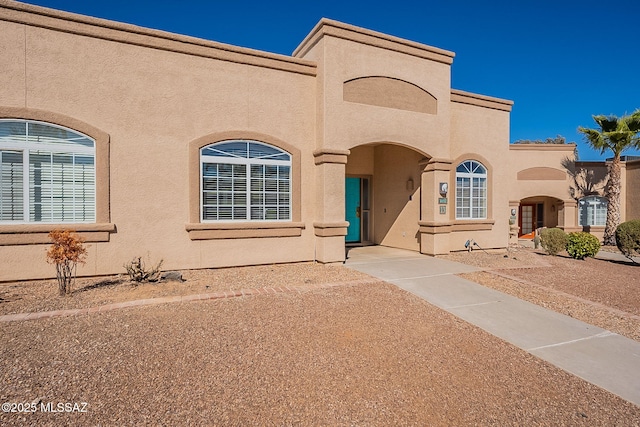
(50, 174)
(37, 233)
(597, 202)
(253, 178)
(472, 176)
(433, 227)
(482, 223)
(243, 230)
(199, 230)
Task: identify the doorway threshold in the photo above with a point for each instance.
(358, 244)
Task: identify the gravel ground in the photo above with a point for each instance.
(352, 355)
(42, 295)
(601, 293)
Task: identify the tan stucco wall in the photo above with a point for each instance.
(344, 124)
(394, 172)
(160, 96)
(542, 173)
(450, 131)
(632, 190)
(593, 177)
(396, 206)
(524, 157)
(551, 207)
(153, 103)
(590, 178)
(482, 134)
(360, 160)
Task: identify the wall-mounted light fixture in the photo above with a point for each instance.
(410, 184)
(513, 212)
(443, 188)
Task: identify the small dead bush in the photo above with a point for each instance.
(138, 271)
(66, 251)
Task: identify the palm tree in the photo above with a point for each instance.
(616, 134)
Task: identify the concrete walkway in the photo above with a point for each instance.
(600, 357)
(617, 257)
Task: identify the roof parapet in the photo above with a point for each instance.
(72, 23)
(329, 27)
(469, 98)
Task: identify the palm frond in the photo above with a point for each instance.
(616, 133)
(607, 123)
(594, 138)
(619, 141)
(633, 121)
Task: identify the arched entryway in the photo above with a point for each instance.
(382, 195)
(537, 212)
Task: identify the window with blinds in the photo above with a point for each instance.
(471, 190)
(593, 211)
(245, 181)
(47, 174)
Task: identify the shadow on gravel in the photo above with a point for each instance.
(621, 261)
(101, 284)
(629, 262)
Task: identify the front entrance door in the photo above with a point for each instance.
(527, 221)
(353, 197)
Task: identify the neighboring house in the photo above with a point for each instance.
(589, 181)
(208, 155)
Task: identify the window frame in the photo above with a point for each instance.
(29, 148)
(247, 162)
(472, 176)
(584, 202)
(199, 230)
(12, 234)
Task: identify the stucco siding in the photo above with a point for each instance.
(633, 190)
(152, 103)
(482, 134)
(12, 68)
(156, 99)
(347, 124)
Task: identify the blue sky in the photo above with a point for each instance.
(560, 61)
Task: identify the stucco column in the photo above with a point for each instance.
(568, 215)
(330, 226)
(514, 229)
(435, 223)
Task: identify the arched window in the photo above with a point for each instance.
(47, 174)
(471, 190)
(593, 211)
(245, 180)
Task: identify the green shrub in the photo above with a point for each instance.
(628, 237)
(553, 240)
(581, 245)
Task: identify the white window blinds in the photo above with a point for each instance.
(47, 174)
(245, 181)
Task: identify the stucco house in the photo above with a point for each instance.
(209, 155)
(589, 179)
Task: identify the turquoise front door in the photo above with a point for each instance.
(352, 206)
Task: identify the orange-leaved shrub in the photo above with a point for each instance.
(66, 251)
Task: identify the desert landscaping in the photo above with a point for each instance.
(317, 345)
